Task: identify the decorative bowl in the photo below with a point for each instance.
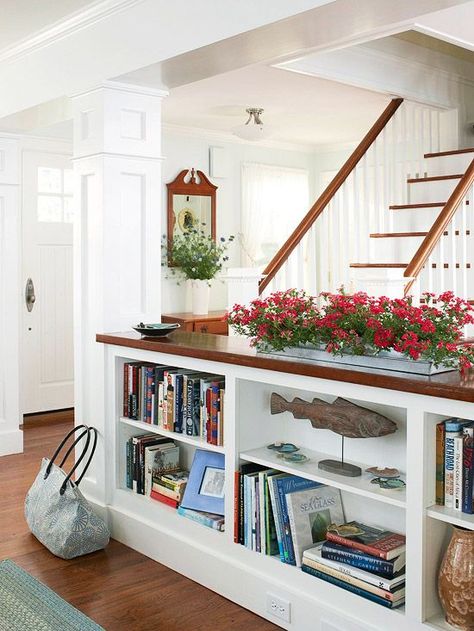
(156, 330)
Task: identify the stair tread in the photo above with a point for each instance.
(382, 235)
(434, 178)
(382, 265)
(453, 152)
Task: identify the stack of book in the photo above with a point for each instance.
(169, 487)
(176, 400)
(364, 560)
(279, 513)
(147, 457)
(455, 464)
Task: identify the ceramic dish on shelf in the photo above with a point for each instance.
(156, 330)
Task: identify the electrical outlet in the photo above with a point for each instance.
(278, 607)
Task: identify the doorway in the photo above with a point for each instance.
(47, 367)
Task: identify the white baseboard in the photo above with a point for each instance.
(11, 442)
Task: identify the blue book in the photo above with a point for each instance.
(352, 588)
(290, 484)
(355, 558)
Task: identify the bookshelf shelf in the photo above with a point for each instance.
(212, 558)
(358, 486)
(183, 438)
(451, 516)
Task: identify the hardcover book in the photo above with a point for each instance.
(440, 438)
(311, 512)
(394, 596)
(468, 469)
(285, 486)
(352, 588)
(358, 559)
(315, 555)
(376, 541)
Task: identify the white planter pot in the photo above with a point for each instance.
(200, 297)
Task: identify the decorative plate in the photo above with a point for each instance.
(156, 330)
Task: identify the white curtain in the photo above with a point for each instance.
(274, 200)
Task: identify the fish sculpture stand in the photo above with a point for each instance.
(342, 417)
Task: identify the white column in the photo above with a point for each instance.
(117, 159)
(11, 437)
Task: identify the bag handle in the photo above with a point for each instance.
(90, 430)
(61, 445)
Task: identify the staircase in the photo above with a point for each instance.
(396, 219)
(449, 265)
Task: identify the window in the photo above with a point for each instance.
(55, 195)
(274, 200)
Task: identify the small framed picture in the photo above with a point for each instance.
(205, 489)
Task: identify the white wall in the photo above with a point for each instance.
(182, 150)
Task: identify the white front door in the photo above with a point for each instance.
(47, 340)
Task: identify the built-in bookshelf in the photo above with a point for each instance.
(247, 577)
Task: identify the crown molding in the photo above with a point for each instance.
(129, 88)
(69, 25)
(212, 135)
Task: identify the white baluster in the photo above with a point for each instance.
(454, 258)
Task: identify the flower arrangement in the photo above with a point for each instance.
(196, 254)
(360, 325)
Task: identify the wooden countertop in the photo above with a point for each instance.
(232, 350)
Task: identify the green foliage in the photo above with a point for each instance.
(197, 255)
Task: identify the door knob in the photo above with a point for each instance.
(30, 297)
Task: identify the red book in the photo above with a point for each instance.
(162, 498)
(125, 389)
(375, 541)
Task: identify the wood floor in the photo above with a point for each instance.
(118, 588)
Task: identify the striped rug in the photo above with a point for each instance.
(27, 604)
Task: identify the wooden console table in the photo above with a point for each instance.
(210, 323)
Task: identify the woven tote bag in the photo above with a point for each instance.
(56, 511)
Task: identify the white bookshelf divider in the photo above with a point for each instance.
(246, 577)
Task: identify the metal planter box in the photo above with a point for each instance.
(384, 360)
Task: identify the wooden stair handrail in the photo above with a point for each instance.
(315, 211)
(439, 227)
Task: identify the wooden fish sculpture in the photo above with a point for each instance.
(341, 416)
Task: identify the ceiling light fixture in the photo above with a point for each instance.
(253, 128)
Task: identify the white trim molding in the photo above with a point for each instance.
(63, 28)
(11, 437)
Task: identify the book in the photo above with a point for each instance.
(153, 455)
(311, 512)
(453, 429)
(367, 562)
(352, 588)
(214, 411)
(248, 467)
(267, 534)
(393, 596)
(285, 486)
(468, 469)
(440, 437)
(315, 555)
(376, 541)
(206, 519)
(276, 507)
(164, 490)
(163, 499)
(458, 466)
(125, 389)
(193, 390)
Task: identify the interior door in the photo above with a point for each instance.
(47, 348)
